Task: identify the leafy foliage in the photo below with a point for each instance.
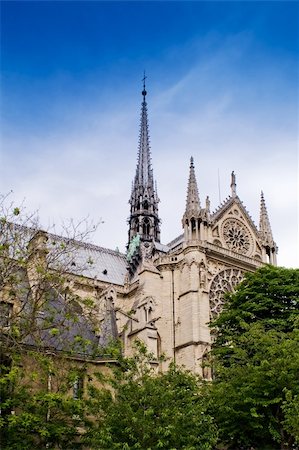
(37, 408)
(142, 409)
(41, 321)
(256, 361)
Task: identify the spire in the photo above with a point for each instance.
(192, 203)
(233, 184)
(265, 228)
(144, 220)
(144, 173)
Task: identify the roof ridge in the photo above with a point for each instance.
(87, 245)
(175, 240)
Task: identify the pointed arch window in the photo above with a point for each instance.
(146, 227)
(193, 224)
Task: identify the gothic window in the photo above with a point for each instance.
(148, 312)
(237, 236)
(146, 227)
(225, 281)
(145, 205)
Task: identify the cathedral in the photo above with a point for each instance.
(166, 294)
(162, 294)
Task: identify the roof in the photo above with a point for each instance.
(62, 325)
(162, 247)
(101, 263)
(88, 260)
(77, 257)
(176, 241)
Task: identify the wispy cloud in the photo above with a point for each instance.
(82, 163)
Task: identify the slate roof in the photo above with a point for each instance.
(90, 260)
(74, 332)
(80, 258)
(101, 263)
(70, 334)
(162, 247)
(176, 241)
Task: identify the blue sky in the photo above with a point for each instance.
(222, 86)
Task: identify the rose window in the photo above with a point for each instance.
(236, 236)
(223, 282)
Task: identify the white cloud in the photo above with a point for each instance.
(86, 168)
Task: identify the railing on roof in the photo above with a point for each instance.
(230, 253)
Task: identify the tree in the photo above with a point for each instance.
(256, 361)
(44, 326)
(143, 409)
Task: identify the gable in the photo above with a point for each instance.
(234, 229)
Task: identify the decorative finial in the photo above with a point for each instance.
(208, 204)
(233, 184)
(191, 162)
(144, 91)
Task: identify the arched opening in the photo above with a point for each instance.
(146, 227)
(193, 224)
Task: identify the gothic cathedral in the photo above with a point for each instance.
(170, 292)
(166, 295)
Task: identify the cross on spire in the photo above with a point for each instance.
(144, 91)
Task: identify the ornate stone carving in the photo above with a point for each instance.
(223, 282)
(202, 275)
(236, 236)
(147, 250)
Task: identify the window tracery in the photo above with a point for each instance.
(237, 236)
(223, 282)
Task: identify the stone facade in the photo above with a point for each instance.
(172, 291)
(164, 295)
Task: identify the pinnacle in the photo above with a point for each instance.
(193, 202)
(265, 227)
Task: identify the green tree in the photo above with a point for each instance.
(142, 409)
(43, 416)
(41, 329)
(256, 362)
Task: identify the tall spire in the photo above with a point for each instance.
(144, 220)
(144, 173)
(193, 202)
(265, 227)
